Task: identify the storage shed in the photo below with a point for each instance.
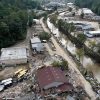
(36, 21)
(36, 44)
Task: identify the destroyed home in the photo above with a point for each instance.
(53, 77)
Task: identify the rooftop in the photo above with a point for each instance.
(13, 53)
(47, 75)
(35, 40)
(87, 11)
(70, 3)
(36, 20)
(37, 45)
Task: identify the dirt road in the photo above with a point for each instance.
(72, 64)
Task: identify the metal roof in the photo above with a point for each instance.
(35, 40)
(38, 46)
(13, 53)
(34, 45)
(48, 75)
(87, 11)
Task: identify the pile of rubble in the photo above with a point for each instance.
(73, 78)
(14, 91)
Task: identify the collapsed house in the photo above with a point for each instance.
(52, 77)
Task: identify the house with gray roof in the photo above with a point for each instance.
(36, 44)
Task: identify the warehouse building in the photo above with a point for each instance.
(13, 56)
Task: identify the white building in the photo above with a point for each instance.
(36, 21)
(13, 56)
(36, 44)
(70, 4)
(87, 11)
(35, 40)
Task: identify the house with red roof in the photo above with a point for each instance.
(52, 77)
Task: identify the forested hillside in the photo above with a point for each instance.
(93, 4)
(13, 20)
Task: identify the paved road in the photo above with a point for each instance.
(72, 64)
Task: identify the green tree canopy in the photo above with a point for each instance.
(53, 19)
(13, 20)
(61, 64)
(81, 37)
(44, 36)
